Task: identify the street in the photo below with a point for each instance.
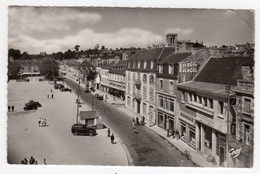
(146, 148)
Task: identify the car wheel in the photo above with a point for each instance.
(91, 134)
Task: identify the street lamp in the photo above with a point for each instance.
(228, 90)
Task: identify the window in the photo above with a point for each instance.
(221, 107)
(151, 79)
(161, 84)
(145, 64)
(160, 69)
(190, 97)
(171, 69)
(172, 105)
(161, 101)
(211, 103)
(139, 64)
(199, 99)
(195, 97)
(247, 105)
(182, 96)
(171, 87)
(152, 64)
(144, 78)
(144, 108)
(166, 104)
(205, 101)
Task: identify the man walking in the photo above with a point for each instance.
(108, 132)
(9, 108)
(112, 139)
(12, 108)
(52, 96)
(39, 121)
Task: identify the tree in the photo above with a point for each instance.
(13, 70)
(16, 54)
(49, 68)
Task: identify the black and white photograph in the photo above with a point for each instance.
(130, 87)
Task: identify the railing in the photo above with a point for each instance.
(245, 85)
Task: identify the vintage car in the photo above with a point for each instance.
(65, 89)
(32, 105)
(58, 86)
(77, 129)
(99, 97)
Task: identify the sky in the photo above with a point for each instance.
(54, 29)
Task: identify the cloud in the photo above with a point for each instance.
(87, 38)
(183, 33)
(36, 19)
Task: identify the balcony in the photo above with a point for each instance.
(137, 95)
(245, 85)
(138, 83)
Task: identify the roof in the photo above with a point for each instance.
(85, 64)
(174, 58)
(204, 89)
(152, 54)
(87, 115)
(222, 70)
(121, 63)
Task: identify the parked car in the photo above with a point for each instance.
(92, 89)
(65, 89)
(58, 86)
(32, 105)
(87, 90)
(77, 129)
(99, 97)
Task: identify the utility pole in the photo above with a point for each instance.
(78, 102)
(228, 127)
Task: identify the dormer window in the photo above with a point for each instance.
(145, 64)
(171, 69)
(160, 69)
(152, 65)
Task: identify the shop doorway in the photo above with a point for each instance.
(221, 155)
(138, 106)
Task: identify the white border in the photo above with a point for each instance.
(217, 4)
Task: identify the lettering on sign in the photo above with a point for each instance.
(204, 118)
(187, 117)
(234, 152)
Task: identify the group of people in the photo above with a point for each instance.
(48, 96)
(137, 122)
(32, 161)
(10, 108)
(112, 138)
(42, 122)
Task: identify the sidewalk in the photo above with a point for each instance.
(197, 158)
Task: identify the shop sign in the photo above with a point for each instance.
(187, 117)
(204, 118)
(234, 152)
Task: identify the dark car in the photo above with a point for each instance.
(77, 129)
(87, 90)
(65, 89)
(99, 97)
(32, 105)
(58, 86)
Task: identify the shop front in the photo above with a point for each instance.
(166, 121)
(187, 129)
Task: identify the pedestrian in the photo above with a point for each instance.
(32, 160)
(39, 121)
(42, 120)
(51, 90)
(134, 128)
(36, 162)
(48, 96)
(143, 120)
(9, 107)
(44, 161)
(177, 134)
(108, 132)
(112, 139)
(133, 119)
(25, 161)
(52, 96)
(137, 121)
(12, 108)
(45, 122)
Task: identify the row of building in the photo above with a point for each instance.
(206, 96)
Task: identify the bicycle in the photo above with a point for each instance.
(212, 159)
(187, 154)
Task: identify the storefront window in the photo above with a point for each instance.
(183, 131)
(192, 137)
